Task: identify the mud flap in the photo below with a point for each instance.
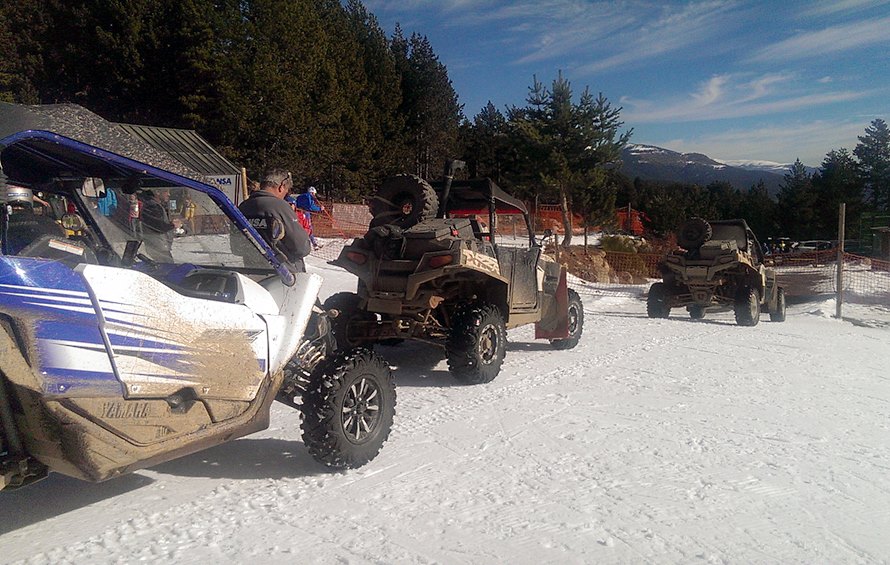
(558, 327)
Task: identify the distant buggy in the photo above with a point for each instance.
(449, 279)
(721, 264)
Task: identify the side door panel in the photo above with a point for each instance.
(519, 266)
(50, 306)
(163, 342)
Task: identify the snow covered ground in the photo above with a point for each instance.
(658, 441)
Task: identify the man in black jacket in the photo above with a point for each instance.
(266, 205)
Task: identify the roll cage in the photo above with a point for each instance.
(38, 157)
(478, 197)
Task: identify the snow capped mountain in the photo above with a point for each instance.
(657, 163)
(771, 166)
(653, 154)
(768, 166)
(637, 149)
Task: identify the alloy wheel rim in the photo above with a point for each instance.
(488, 344)
(361, 410)
(573, 320)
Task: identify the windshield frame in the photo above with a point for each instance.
(126, 165)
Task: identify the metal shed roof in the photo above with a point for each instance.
(180, 151)
(79, 123)
(186, 146)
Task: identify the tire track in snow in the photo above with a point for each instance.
(198, 523)
(491, 393)
(173, 534)
(512, 517)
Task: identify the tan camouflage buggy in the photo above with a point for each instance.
(720, 265)
(432, 268)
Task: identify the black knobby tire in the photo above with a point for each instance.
(696, 311)
(576, 323)
(348, 409)
(694, 233)
(657, 304)
(777, 314)
(747, 307)
(347, 304)
(403, 200)
(477, 343)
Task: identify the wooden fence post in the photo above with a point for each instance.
(244, 190)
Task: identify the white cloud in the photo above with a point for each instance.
(725, 96)
(671, 32)
(808, 141)
(595, 35)
(829, 7)
(599, 35)
(712, 91)
(834, 39)
(761, 87)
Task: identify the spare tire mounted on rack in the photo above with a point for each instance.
(403, 200)
(694, 233)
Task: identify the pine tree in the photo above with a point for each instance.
(759, 210)
(838, 181)
(198, 33)
(486, 144)
(873, 152)
(724, 201)
(429, 104)
(21, 54)
(105, 68)
(567, 149)
(279, 67)
(797, 201)
(376, 101)
(669, 205)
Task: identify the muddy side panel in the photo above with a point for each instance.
(81, 413)
(771, 291)
(164, 342)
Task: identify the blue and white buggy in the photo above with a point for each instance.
(128, 338)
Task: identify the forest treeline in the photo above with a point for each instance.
(318, 87)
(315, 86)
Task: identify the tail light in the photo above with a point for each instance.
(357, 258)
(440, 261)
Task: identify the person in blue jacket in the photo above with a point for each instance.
(307, 203)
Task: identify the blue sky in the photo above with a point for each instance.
(740, 80)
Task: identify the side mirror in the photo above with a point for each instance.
(93, 187)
